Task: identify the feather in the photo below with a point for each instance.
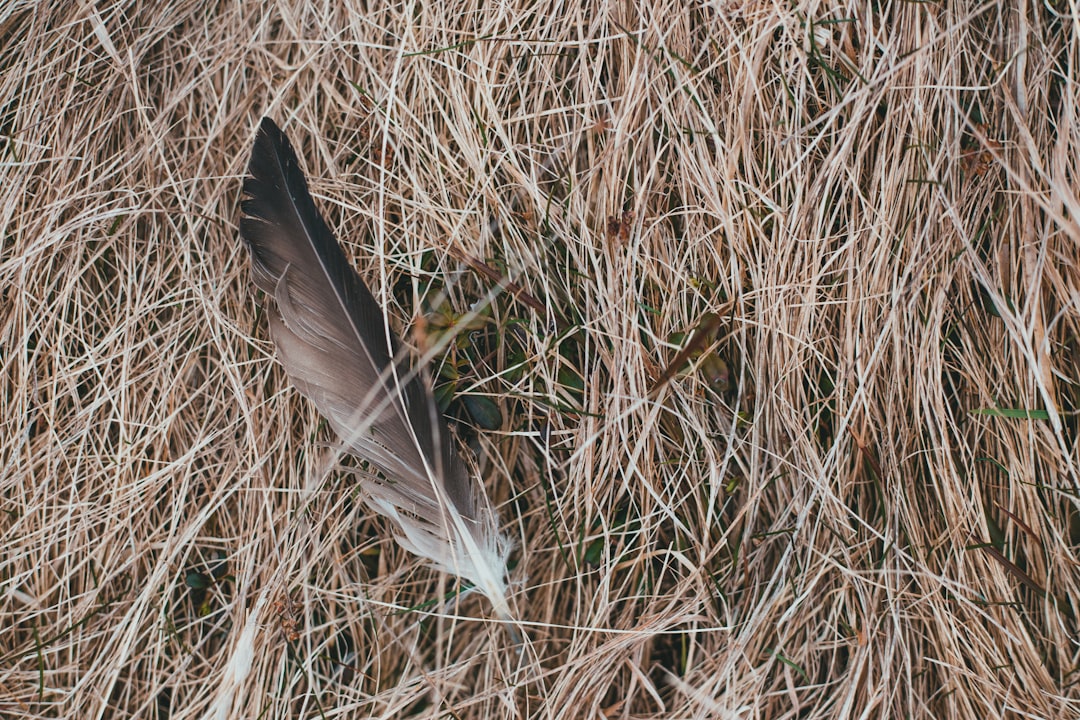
(340, 353)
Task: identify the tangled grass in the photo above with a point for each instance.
(775, 376)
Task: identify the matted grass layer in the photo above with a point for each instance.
(780, 407)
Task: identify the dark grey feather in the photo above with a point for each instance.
(334, 341)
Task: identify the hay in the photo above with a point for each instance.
(859, 496)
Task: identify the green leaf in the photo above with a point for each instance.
(594, 553)
(1015, 413)
(197, 580)
(444, 394)
(484, 411)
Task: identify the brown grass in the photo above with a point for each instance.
(859, 497)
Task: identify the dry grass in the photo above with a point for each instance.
(858, 498)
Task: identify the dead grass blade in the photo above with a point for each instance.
(879, 200)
